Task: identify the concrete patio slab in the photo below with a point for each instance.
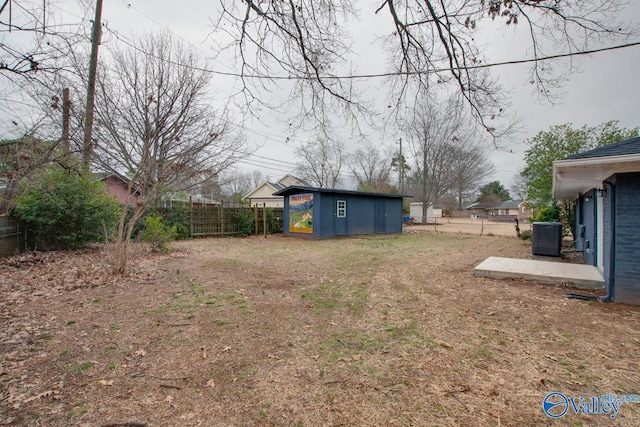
(578, 276)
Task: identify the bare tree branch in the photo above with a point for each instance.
(432, 43)
(321, 162)
(156, 126)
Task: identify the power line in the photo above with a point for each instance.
(246, 162)
(275, 160)
(390, 74)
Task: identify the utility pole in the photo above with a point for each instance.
(65, 120)
(401, 163)
(87, 147)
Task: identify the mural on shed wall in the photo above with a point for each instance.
(301, 213)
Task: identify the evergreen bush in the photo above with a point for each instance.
(66, 209)
(158, 233)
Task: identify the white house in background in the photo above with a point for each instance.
(415, 212)
(509, 210)
(263, 194)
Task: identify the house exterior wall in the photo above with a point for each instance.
(270, 202)
(264, 191)
(118, 189)
(626, 269)
(609, 215)
(589, 221)
(523, 213)
(578, 224)
(264, 195)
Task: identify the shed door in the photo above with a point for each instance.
(380, 218)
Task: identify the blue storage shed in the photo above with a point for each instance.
(323, 213)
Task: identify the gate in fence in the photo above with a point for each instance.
(13, 236)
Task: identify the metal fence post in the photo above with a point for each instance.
(264, 219)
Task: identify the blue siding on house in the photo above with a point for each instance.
(627, 239)
(621, 214)
(589, 249)
(578, 224)
(609, 214)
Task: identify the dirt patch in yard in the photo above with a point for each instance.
(366, 331)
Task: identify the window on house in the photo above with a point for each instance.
(342, 208)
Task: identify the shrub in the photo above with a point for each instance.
(525, 235)
(178, 217)
(273, 225)
(243, 220)
(66, 209)
(551, 213)
(157, 233)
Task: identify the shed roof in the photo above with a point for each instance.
(296, 189)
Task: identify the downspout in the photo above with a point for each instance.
(596, 230)
(612, 251)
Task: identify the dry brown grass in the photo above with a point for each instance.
(368, 331)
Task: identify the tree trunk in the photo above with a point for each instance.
(123, 241)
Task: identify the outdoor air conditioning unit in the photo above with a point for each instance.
(546, 239)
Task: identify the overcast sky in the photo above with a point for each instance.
(606, 89)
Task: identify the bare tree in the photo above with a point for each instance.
(430, 43)
(437, 133)
(321, 162)
(31, 41)
(470, 167)
(518, 185)
(156, 126)
(36, 51)
(257, 178)
(271, 37)
(372, 167)
(236, 184)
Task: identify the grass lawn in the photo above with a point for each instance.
(363, 331)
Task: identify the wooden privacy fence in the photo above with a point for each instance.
(267, 220)
(220, 220)
(227, 219)
(13, 236)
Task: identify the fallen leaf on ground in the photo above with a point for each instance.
(105, 383)
(211, 384)
(140, 353)
(39, 396)
(443, 344)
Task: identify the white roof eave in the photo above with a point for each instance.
(572, 177)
